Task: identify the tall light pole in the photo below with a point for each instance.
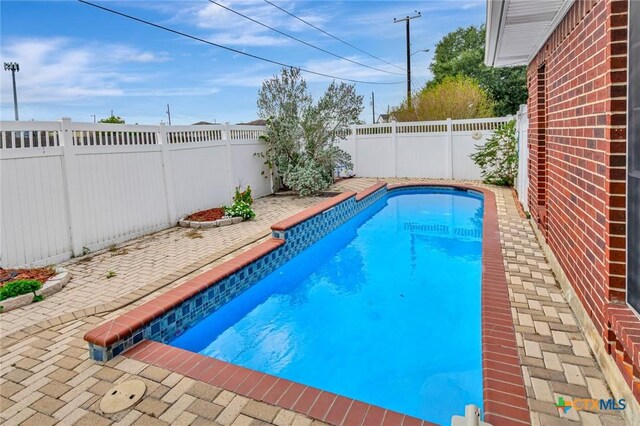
(407, 19)
(13, 67)
(373, 108)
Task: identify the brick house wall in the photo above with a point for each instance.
(577, 160)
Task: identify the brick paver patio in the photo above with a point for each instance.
(46, 376)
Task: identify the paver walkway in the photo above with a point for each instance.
(46, 376)
(148, 259)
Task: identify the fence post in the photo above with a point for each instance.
(226, 137)
(167, 174)
(354, 134)
(71, 187)
(394, 144)
(449, 148)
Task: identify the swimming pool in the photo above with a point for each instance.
(384, 309)
(142, 333)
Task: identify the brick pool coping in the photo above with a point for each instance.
(503, 384)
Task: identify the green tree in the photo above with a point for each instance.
(302, 135)
(456, 97)
(112, 119)
(462, 52)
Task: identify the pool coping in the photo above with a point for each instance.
(504, 392)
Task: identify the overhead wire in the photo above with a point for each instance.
(300, 40)
(181, 33)
(331, 35)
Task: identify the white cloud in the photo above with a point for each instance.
(340, 68)
(228, 28)
(249, 77)
(59, 70)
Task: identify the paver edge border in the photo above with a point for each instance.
(196, 224)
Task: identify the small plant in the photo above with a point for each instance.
(241, 206)
(239, 209)
(111, 274)
(498, 158)
(85, 251)
(20, 287)
(244, 196)
(37, 298)
(119, 252)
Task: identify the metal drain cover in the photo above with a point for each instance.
(122, 396)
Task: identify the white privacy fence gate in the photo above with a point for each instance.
(435, 149)
(66, 187)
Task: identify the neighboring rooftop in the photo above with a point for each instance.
(203, 123)
(258, 122)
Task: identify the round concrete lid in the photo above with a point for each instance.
(122, 396)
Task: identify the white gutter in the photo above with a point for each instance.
(496, 18)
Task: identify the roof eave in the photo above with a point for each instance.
(496, 18)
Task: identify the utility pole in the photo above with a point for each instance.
(373, 107)
(169, 114)
(13, 67)
(407, 19)
(94, 117)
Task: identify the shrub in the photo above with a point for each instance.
(456, 97)
(498, 158)
(302, 134)
(239, 209)
(308, 178)
(18, 288)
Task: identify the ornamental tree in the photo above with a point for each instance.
(303, 134)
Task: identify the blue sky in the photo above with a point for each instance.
(77, 61)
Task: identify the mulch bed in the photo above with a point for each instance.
(40, 274)
(206, 215)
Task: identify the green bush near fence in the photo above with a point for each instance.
(498, 158)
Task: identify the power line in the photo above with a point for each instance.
(300, 40)
(229, 48)
(331, 35)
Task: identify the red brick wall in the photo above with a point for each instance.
(577, 119)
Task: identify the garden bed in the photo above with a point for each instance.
(53, 279)
(211, 218)
(40, 274)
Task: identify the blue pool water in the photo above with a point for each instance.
(385, 309)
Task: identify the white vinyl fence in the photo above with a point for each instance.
(522, 181)
(67, 187)
(435, 149)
